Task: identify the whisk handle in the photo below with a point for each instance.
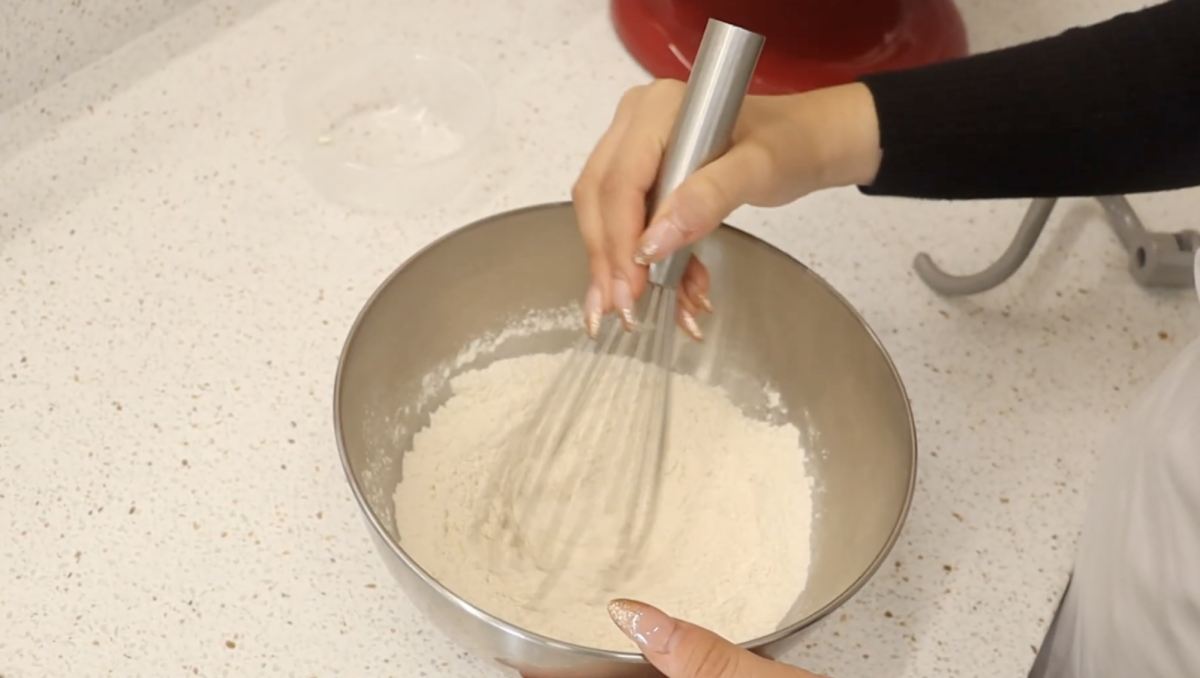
(716, 88)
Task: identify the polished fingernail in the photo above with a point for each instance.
(689, 324)
(623, 300)
(645, 254)
(593, 310)
(652, 629)
(663, 237)
(699, 297)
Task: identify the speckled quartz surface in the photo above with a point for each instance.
(175, 297)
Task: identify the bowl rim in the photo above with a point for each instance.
(594, 653)
(350, 58)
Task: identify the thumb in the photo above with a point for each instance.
(682, 650)
(699, 205)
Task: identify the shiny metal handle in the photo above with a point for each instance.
(715, 90)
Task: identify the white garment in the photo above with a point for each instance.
(1133, 607)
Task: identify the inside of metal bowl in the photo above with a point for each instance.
(777, 324)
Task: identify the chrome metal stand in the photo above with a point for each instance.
(1155, 259)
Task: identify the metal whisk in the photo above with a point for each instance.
(611, 400)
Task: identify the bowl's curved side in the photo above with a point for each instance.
(477, 631)
(857, 421)
(491, 640)
(497, 255)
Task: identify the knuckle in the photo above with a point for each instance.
(761, 161)
(711, 195)
(612, 185)
(666, 87)
(713, 661)
(630, 98)
(635, 92)
(598, 265)
(579, 191)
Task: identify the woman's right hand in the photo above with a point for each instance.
(783, 147)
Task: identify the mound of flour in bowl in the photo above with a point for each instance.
(729, 548)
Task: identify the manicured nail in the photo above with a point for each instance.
(689, 324)
(623, 300)
(652, 629)
(645, 254)
(593, 310)
(696, 294)
(663, 237)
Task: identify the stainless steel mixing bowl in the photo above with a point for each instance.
(779, 324)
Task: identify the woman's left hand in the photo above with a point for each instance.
(682, 650)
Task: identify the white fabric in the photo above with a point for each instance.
(1133, 608)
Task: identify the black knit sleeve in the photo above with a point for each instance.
(1107, 109)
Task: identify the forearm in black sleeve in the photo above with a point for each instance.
(1107, 109)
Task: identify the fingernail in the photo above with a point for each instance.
(652, 629)
(689, 324)
(700, 297)
(663, 237)
(593, 310)
(645, 254)
(623, 300)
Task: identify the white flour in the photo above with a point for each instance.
(729, 549)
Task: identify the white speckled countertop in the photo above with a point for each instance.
(175, 296)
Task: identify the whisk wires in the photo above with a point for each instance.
(578, 482)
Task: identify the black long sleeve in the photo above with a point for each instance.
(1107, 109)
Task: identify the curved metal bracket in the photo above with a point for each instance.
(1155, 259)
(1018, 250)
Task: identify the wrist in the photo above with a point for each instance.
(844, 130)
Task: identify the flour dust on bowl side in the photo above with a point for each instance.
(805, 373)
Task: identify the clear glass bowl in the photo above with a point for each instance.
(390, 128)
